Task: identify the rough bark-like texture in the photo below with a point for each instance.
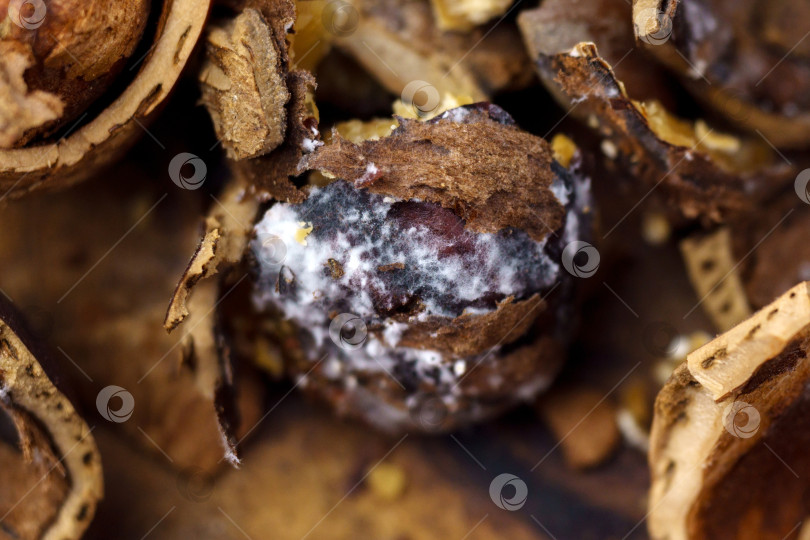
(55, 442)
(490, 173)
(705, 175)
(243, 86)
(269, 176)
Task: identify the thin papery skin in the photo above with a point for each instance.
(434, 298)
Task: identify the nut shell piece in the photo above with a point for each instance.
(703, 174)
(98, 142)
(55, 440)
(729, 425)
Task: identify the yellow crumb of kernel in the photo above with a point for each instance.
(563, 149)
(268, 358)
(358, 131)
(713, 140)
(387, 481)
(302, 233)
(447, 102)
(655, 228)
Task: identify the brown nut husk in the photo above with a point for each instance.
(90, 143)
(559, 25)
(772, 251)
(749, 262)
(747, 60)
(52, 490)
(70, 51)
(703, 174)
(729, 425)
(262, 107)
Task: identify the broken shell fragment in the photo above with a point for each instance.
(90, 142)
(703, 174)
(730, 424)
(57, 445)
(746, 60)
